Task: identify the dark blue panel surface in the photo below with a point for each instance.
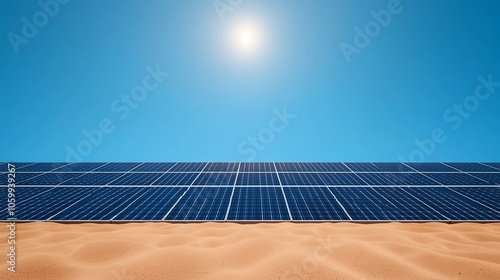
(490, 178)
(453, 205)
(392, 167)
(471, 167)
(341, 179)
(22, 195)
(310, 167)
(257, 167)
(222, 167)
(360, 204)
(300, 179)
(495, 165)
(21, 164)
(188, 167)
(154, 167)
(392, 203)
(103, 204)
(361, 166)
(50, 203)
(455, 179)
(430, 167)
(146, 191)
(98, 179)
(152, 205)
(136, 179)
(202, 204)
(51, 178)
(488, 196)
(20, 177)
(313, 203)
(396, 179)
(259, 179)
(28, 193)
(118, 167)
(175, 179)
(215, 179)
(82, 166)
(258, 203)
(41, 166)
(378, 167)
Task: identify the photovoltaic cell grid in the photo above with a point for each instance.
(255, 191)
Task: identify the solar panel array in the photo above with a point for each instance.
(251, 191)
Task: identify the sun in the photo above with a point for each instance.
(246, 38)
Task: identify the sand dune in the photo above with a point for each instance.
(255, 251)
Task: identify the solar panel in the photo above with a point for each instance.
(103, 206)
(95, 178)
(488, 196)
(154, 167)
(136, 179)
(471, 167)
(215, 179)
(225, 191)
(258, 179)
(362, 166)
(176, 179)
(396, 179)
(341, 179)
(430, 167)
(51, 203)
(257, 167)
(310, 167)
(399, 205)
(81, 167)
(222, 167)
(22, 164)
(378, 167)
(188, 167)
(55, 178)
(118, 167)
(301, 179)
(491, 178)
(20, 177)
(453, 205)
(392, 167)
(202, 204)
(382, 204)
(152, 205)
(313, 203)
(40, 167)
(258, 204)
(495, 165)
(455, 179)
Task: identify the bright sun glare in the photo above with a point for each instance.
(247, 39)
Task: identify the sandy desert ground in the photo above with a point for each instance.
(254, 251)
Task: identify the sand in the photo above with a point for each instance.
(254, 251)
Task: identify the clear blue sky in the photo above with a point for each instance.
(69, 68)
